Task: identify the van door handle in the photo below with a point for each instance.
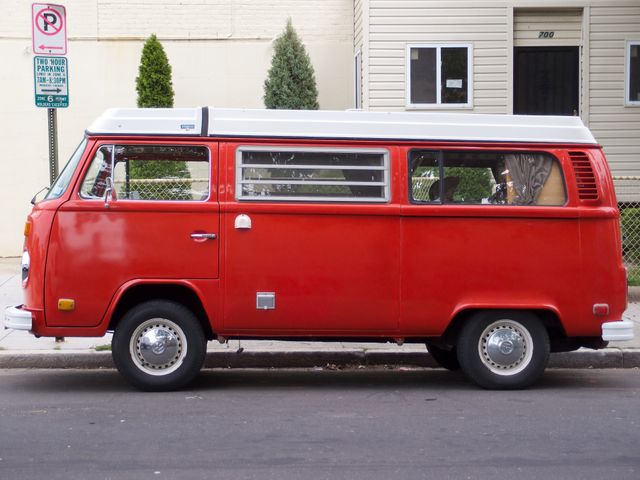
(204, 236)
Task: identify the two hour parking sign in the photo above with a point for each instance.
(49, 29)
(51, 81)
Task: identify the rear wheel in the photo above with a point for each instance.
(159, 345)
(503, 349)
(445, 358)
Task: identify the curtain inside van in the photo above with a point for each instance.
(528, 172)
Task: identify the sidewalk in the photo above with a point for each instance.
(22, 350)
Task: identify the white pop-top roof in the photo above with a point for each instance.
(341, 125)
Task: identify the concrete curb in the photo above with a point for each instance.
(606, 358)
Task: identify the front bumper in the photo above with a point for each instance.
(617, 331)
(17, 318)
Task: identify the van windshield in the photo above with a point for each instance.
(62, 182)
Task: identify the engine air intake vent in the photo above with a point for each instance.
(586, 180)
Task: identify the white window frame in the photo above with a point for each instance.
(294, 199)
(627, 73)
(357, 88)
(439, 105)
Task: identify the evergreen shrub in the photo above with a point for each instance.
(291, 82)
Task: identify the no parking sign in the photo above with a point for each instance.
(49, 29)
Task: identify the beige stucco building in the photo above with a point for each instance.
(220, 51)
(484, 56)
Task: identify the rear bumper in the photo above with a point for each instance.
(17, 318)
(617, 331)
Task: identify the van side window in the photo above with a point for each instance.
(312, 174)
(486, 177)
(149, 172)
(95, 180)
(425, 176)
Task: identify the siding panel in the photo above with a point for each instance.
(615, 126)
(357, 24)
(394, 24)
(566, 26)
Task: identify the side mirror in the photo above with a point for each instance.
(35, 197)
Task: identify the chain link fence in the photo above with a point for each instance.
(163, 189)
(421, 186)
(628, 196)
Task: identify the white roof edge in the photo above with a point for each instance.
(148, 121)
(418, 126)
(398, 126)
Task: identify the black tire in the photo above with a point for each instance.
(159, 346)
(445, 358)
(503, 349)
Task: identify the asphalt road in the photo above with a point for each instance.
(305, 424)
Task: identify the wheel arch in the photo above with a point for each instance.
(548, 316)
(134, 293)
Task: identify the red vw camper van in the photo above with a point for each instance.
(495, 240)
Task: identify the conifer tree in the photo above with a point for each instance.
(153, 83)
(291, 81)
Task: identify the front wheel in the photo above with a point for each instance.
(503, 349)
(159, 345)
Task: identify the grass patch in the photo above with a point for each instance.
(103, 348)
(633, 276)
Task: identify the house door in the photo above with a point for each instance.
(546, 81)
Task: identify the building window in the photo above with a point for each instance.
(632, 94)
(439, 76)
(312, 174)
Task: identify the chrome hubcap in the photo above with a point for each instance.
(158, 346)
(506, 347)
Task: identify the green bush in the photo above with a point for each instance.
(291, 82)
(633, 276)
(474, 184)
(153, 83)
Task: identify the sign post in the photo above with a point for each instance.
(52, 123)
(50, 73)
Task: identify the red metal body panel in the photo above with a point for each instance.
(333, 268)
(36, 244)
(463, 262)
(95, 250)
(602, 276)
(337, 269)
